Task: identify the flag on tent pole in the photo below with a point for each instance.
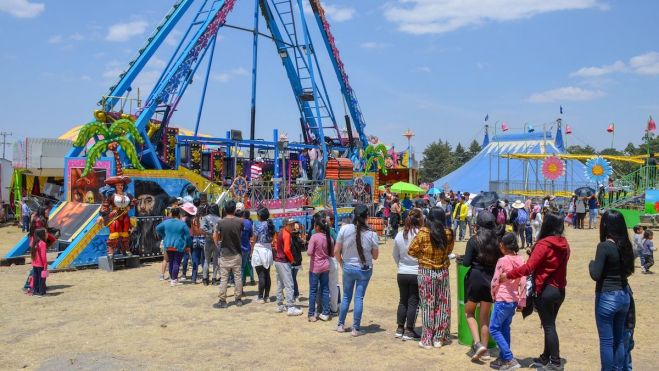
(611, 128)
(504, 126)
(487, 116)
(561, 108)
(652, 126)
(568, 129)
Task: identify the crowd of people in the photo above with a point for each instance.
(231, 249)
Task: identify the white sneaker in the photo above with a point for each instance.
(293, 311)
(280, 309)
(162, 277)
(173, 283)
(324, 317)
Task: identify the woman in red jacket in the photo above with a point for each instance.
(548, 264)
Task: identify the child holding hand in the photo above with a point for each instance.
(508, 297)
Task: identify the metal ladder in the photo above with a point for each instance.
(319, 116)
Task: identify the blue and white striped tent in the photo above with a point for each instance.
(487, 171)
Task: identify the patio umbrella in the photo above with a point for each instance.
(485, 199)
(434, 191)
(584, 192)
(408, 188)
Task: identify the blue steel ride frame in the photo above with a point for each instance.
(342, 76)
(143, 56)
(176, 79)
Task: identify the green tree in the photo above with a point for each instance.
(579, 150)
(114, 135)
(437, 161)
(474, 148)
(460, 156)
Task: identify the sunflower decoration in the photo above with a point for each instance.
(598, 169)
(553, 168)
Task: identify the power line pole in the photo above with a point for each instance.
(4, 134)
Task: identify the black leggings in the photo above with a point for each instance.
(408, 286)
(264, 281)
(548, 304)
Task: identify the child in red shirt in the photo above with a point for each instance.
(39, 262)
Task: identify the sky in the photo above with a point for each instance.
(437, 67)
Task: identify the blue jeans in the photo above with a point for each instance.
(592, 218)
(354, 277)
(610, 315)
(319, 282)
(502, 317)
(25, 227)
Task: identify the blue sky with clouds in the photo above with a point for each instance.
(435, 66)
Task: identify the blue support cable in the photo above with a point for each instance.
(255, 48)
(203, 90)
(145, 54)
(182, 70)
(346, 90)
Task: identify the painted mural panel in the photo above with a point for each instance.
(85, 189)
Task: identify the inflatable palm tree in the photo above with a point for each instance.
(114, 135)
(375, 155)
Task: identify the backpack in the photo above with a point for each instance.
(501, 217)
(522, 217)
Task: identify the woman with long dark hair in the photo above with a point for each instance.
(481, 256)
(321, 247)
(264, 233)
(394, 216)
(613, 264)
(548, 264)
(408, 269)
(39, 261)
(356, 248)
(432, 246)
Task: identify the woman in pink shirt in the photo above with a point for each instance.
(320, 247)
(508, 296)
(39, 262)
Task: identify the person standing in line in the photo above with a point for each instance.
(304, 164)
(432, 246)
(394, 217)
(283, 258)
(227, 232)
(592, 212)
(246, 245)
(198, 242)
(460, 218)
(176, 240)
(613, 264)
(39, 262)
(356, 248)
(264, 233)
(548, 264)
(211, 251)
(25, 216)
(580, 209)
(536, 221)
(408, 269)
(508, 297)
(481, 255)
(321, 247)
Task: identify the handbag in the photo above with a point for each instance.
(44, 273)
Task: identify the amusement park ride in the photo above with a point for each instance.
(158, 162)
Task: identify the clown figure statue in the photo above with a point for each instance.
(116, 205)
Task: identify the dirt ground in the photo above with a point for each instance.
(128, 319)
